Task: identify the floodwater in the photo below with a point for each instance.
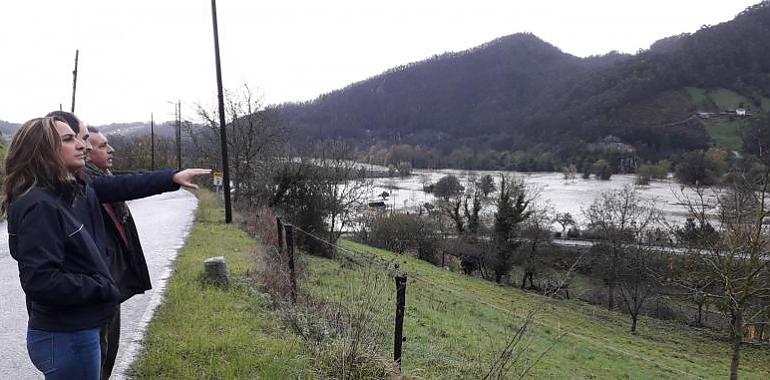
(163, 221)
(562, 195)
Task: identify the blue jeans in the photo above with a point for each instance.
(65, 355)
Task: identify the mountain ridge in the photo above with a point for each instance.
(519, 92)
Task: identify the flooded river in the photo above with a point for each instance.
(563, 195)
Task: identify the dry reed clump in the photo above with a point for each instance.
(346, 328)
(273, 263)
(342, 329)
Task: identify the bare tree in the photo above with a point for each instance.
(735, 263)
(344, 183)
(565, 220)
(637, 280)
(536, 231)
(618, 218)
(256, 141)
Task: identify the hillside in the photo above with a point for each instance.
(7, 129)
(518, 92)
(455, 325)
(135, 129)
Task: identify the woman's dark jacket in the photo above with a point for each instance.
(62, 253)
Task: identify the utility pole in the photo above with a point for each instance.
(222, 124)
(152, 142)
(179, 135)
(74, 80)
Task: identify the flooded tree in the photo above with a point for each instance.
(512, 209)
(449, 194)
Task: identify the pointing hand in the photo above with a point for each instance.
(185, 177)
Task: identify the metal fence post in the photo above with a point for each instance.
(290, 251)
(398, 338)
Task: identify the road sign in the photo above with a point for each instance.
(217, 176)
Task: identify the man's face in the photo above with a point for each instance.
(101, 153)
(83, 135)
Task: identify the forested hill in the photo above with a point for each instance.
(7, 129)
(519, 93)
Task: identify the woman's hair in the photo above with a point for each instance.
(34, 159)
(68, 118)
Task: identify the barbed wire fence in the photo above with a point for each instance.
(357, 311)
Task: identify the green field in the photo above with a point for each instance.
(726, 133)
(455, 325)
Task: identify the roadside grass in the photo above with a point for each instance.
(455, 325)
(206, 332)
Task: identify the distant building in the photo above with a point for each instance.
(612, 144)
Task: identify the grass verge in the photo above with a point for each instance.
(205, 332)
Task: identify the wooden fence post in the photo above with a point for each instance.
(279, 229)
(398, 338)
(290, 251)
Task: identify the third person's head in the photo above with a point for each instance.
(101, 150)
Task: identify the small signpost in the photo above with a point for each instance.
(218, 180)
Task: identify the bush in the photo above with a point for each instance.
(400, 233)
(648, 172)
(602, 170)
(343, 330)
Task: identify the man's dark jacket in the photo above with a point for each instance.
(128, 265)
(60, 246)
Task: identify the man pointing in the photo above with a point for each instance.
(127, 263)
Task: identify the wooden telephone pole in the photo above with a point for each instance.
(222, 124)
(74, 81)
(179, 135)
(152, 142)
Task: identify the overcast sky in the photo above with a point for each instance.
(137, 55)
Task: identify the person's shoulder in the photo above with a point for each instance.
(35, 199)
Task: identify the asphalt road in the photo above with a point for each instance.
(163, 221)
